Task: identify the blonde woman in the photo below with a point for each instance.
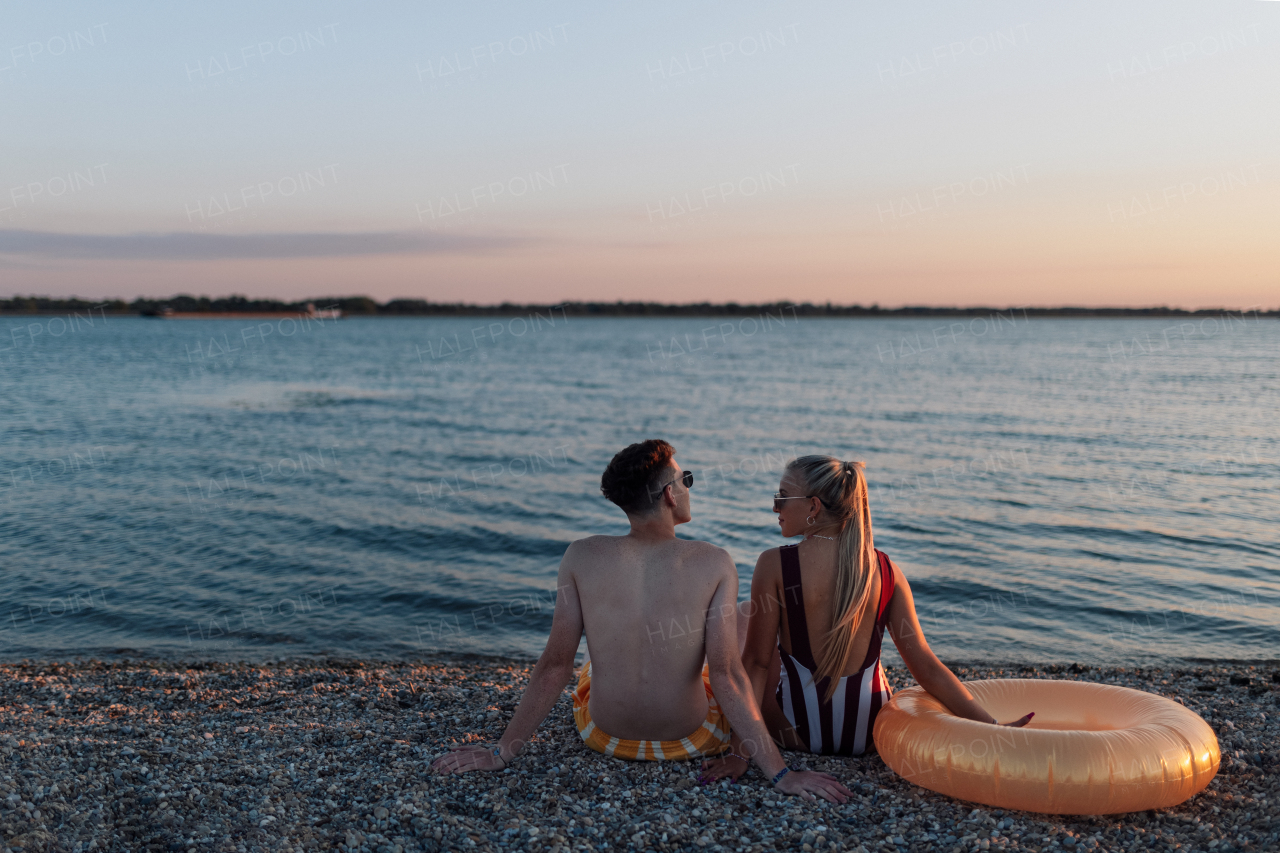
(818, 612)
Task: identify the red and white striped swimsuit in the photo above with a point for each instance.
(842, 726)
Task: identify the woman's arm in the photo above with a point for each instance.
(762, 622)
(548, 680)
(929, 672)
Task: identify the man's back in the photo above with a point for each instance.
(644, 611)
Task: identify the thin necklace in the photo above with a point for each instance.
(820, 536)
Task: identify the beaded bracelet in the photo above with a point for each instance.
(783, 772)
(498, 752)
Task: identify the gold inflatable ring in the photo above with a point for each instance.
(1091, 748)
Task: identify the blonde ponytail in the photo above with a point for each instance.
(842, 488)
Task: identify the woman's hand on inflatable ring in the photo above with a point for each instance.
(1020, 722)
(806, 783)
(729, 766)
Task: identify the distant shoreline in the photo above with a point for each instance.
(237, 307)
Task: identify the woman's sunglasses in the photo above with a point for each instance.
(778, 498)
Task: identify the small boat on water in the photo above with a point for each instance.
(323, 313)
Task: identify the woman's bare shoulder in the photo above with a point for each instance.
(899, 581)
(769, 562)
(898, 575)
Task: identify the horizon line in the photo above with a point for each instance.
(359, 305)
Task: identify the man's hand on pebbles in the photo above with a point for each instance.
(807, 783)
(467, 757)
(727, 767)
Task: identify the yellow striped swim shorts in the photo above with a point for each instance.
(710, 738)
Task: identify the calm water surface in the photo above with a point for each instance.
(1074, 490)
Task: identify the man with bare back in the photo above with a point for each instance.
(635, 700)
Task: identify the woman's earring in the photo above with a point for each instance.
(809, 519)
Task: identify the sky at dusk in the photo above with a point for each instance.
(1084, 153)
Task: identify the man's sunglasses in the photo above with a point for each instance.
(686, 478)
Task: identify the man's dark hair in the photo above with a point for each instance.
(632, 480)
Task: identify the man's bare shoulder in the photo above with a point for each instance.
(595, 551)
(696, 548)
(701, 550)
(589, 543)
(591, 549)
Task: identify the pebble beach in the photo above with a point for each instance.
(333, 755)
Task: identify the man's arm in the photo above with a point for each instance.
(757, 655)
(733, 691)
(553, 671)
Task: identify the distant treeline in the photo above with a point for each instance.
(364, 306)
